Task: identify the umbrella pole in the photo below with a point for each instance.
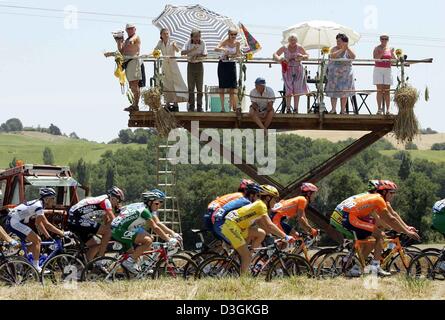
(321, 71)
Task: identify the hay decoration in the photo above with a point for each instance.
(164, 120)
(406, 125)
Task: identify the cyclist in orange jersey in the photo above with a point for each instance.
(295, 208)
(220, 202)
(367, 215)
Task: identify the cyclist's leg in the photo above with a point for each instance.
(255, 236)
(143, 241)
(234, 235)
(25, 234)
(105, 232)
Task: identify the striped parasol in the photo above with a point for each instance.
(181, 20)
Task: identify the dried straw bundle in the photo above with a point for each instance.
(406, 126)
(164, 120)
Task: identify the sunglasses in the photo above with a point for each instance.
(157, 203)
(233, 34)
(384, 39)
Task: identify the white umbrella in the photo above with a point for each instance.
(317, 34)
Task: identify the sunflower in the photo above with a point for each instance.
(399, 52)
(157, 54)
(249, 56)
(325, 50)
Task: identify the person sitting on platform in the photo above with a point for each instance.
(261, 110)
(195, 50)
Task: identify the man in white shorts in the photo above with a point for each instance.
(261, 110)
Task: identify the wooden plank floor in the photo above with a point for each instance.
(145, 119)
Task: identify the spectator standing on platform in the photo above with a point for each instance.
(175, 89)
(230, 49)
(261, 110)
(293, 72)
(340, 76)
(382, 74)
(130, 50)
(195, 50)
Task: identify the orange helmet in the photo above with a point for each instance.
(244, 184)
(386, 185)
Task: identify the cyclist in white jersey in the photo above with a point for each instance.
(20, 216)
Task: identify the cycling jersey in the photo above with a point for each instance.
(216, 204)
(439, 216)
(287, 209)
(130, 223)
(221, 213)
(87, 209)
(247, 215)
(21, 215)
(223, 200)
(355, 214)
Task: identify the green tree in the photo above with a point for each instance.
(13, 125)
(82, 172)
(54, 130)
(12, 163)
(405, 166)
(109, 183)
(48, 156)
(126, 136)
(73, 135)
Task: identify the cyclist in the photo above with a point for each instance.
(439, 216)
(219, 202)
(250, 195)
(439, 223)
(367, 215)
(81, 220)
(295, 207)
(154, 205)
(129, 228)
(239, 230)
(20, 216)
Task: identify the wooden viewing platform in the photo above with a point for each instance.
(282, 122)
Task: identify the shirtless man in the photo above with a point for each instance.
(130, 49)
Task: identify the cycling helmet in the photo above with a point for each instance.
(386, 185)
(373, 185)
(243, 185)
(266, 190)
(253, 188)
(47, 193)
(116, 193)
(161, 195)
(308, 187)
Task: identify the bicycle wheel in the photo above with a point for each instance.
(339, 263)
(15, 272)
(104, 269)
(177, 266)
(318, 257)
(398, 266)
(62, 268)
(218, 267)
(289, 266)
(423, 266)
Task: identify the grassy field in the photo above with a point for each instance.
(433, 156)
(29, 146)
(237, 289)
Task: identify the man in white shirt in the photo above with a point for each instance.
(261, 110)
(195, 50)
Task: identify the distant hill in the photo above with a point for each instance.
(423, 142)
(29, 146)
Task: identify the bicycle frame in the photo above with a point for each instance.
(58, 249)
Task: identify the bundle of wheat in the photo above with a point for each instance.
(406, 126)
(164, 120)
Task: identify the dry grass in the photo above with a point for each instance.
(237, 289)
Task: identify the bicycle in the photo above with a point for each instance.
(161, 261)
(270, 260)
(57, 266)
(15, 271)
(394, 260)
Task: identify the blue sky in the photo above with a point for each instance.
(53, 74)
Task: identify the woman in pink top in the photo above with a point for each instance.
(293, 71)
(382, 74)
